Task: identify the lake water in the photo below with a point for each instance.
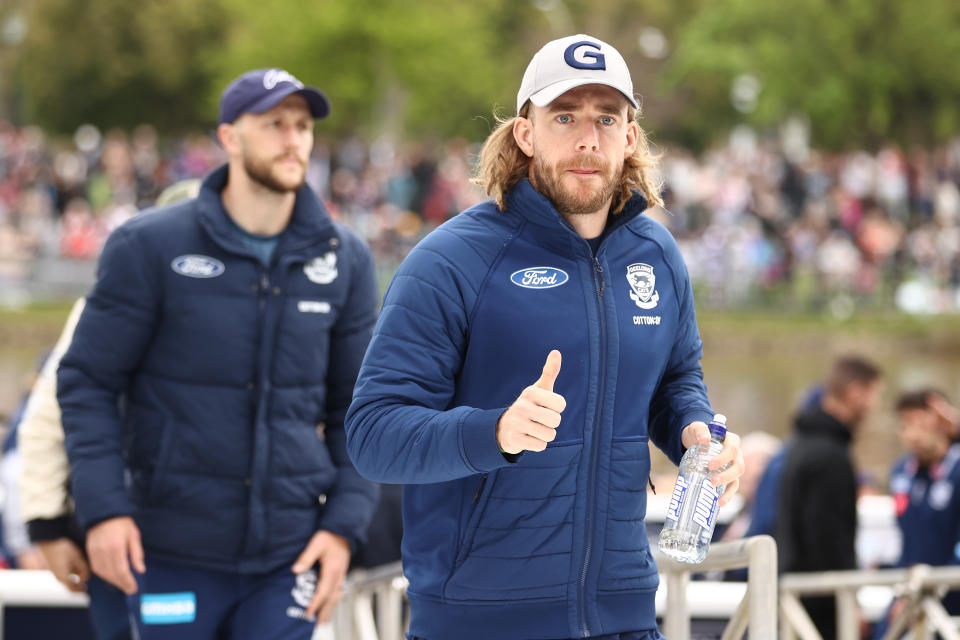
(756, 372)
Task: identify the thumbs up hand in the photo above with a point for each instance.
(532, 420)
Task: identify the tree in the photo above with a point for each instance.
(862, 71)
(118, 63)
(407, 68)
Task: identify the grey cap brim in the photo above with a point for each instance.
(318, 103)
(548, 94)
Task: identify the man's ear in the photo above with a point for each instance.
(633, 134)
(227, 135)
(523, 134)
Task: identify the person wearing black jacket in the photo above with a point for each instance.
(817, 515)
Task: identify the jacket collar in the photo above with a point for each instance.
(310, 223)
(534, 207)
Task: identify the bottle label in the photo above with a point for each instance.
(705, 511)
(676, 500)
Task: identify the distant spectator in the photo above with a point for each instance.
(758, 448)
(925, 484)
(816, 519)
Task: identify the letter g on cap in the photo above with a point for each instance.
(599, 62)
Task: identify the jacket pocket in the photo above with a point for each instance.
(627, 562)
(481, 498)
(518, 540)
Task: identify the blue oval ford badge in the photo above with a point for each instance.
(539, 277)
(194, 266)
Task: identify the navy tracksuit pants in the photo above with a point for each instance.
(175, 602)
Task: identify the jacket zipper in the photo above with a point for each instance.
(476, 494)
(588, 547)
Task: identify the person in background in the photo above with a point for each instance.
(527, 352)
(816, 518)
(204, 391)
(925, 484)
(18, 552)
(758, 448)
(44, 479)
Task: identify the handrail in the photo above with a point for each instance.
(922, 586)
(374, 608)
(757, 610)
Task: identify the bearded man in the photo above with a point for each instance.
(204, 393)
(527, 352)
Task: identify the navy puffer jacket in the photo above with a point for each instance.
(204, 393)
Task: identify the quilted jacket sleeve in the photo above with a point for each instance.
(402, 426)
(681, 397)
(111, 336)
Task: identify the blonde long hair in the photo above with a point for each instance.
(503, 164)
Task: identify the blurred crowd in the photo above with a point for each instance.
(813, 229)
(758, 222)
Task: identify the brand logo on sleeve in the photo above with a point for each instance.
(168, 608)
(197, 266)
(643, 282)
(539, 277)
(322, 269)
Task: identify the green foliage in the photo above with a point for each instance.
(862, 71)
(117, 63)
(389, 66)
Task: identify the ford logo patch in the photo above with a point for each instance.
(194, 266)
(539, 277)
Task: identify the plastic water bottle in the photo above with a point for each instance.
(692, 514)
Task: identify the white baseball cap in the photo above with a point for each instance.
(571, 62)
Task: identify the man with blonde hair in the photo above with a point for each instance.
(525, 496)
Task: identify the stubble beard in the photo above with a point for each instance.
(261, 172)
(548, 181)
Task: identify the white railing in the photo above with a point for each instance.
(374, 605)
(921, 587)
(758, 605)
(19, 588)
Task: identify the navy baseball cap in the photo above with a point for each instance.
(263, 89)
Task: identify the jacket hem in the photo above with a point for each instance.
(620, 611)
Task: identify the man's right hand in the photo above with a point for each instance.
(113, 546)
(531, 422)
(66, 561)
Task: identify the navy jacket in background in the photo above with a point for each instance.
(927, 501)
(928, 509)
(554, 545)
(227, 443)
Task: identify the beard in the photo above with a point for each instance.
(261, 172)
(549, 182)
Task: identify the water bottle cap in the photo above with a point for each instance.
(718, 427)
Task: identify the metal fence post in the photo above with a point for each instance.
(762, 586)
(677, 618)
